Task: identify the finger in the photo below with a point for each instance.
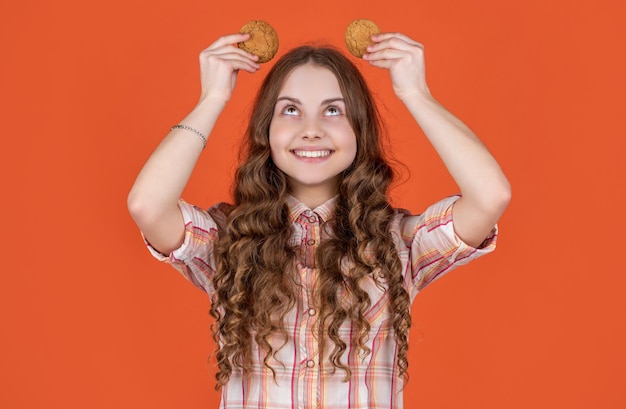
(236, 62)
(232, 49)
(386, 54)
(381, 63)
(235, 54)
(229, 40)
(230, 53)
(241, 65)
(387, 36)
(393, 43)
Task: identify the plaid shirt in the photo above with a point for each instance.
(428, 248)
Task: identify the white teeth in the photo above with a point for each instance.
(312, 154)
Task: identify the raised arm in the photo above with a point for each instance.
(484, 188)
(153, 199)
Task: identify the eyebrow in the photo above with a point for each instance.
(298, 102)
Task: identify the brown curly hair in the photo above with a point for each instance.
(255, 288)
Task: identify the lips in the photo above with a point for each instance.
(322, 153)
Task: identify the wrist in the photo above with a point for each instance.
(417, 95)
(202, 118)
(417, 100)
(208, 102)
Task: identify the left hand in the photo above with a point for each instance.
(404, 58)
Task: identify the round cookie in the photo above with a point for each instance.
(263, 40)
(359, 36)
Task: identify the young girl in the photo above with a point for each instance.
(310, 272)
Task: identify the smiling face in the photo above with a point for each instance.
(310, 137)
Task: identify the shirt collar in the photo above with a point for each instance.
(297, 208)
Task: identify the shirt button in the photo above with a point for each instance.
(312, 311)
(313, 219)
(310, 363)
(310, 242)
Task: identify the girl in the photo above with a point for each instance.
(310, 272)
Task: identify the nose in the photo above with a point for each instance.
(313, 129)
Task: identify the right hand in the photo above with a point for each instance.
(219, 65)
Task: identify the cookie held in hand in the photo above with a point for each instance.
(359, 35)
(263, 40)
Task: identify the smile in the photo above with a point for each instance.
(312, 154)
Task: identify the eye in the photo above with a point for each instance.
(332, 111)
(290, 110)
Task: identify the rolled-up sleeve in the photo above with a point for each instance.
(194, 259)
(433, 247)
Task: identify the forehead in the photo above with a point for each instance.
(311, 80)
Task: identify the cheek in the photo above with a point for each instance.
(353, 146)
(277, 144)
(277, 130)
(273, 136)
(347, 137)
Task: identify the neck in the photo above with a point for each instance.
(312, 198)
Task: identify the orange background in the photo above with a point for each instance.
(88, 89)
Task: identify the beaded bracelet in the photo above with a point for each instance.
(188, 128)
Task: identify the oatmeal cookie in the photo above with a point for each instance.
(263, 40)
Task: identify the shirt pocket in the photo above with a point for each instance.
(378, 311)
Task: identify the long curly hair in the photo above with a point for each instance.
(255, 286)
